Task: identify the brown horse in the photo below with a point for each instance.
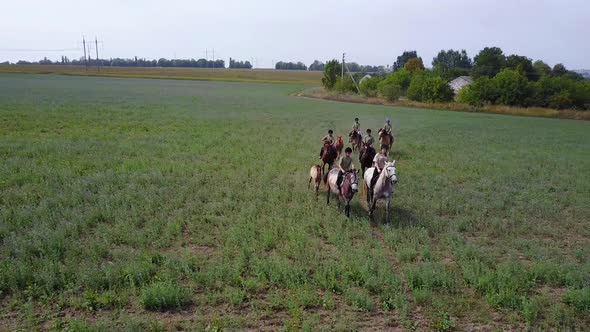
(329, 154)
(338, 145)
(366, 157)
(356, 139)
(385, 139)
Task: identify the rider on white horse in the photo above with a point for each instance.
(345, 165)
(379, 162)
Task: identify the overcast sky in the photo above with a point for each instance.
(266, 31)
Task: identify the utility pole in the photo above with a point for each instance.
(213, 58)
(342, 73)
(97, 61)
(84, 44)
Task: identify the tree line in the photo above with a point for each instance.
(192, 63)
(513, 80)
(141, 62)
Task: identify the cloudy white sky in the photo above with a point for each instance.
(370, 32)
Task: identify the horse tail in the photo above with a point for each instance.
(325, 178)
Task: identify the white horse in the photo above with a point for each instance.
(383, 187)
(348, 187)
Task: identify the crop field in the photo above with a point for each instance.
(149, 204)
(236, 75)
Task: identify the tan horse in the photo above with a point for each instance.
(385, 139)
(315, 175)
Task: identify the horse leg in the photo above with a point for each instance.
(328, 194)
(347, 209)
(387, 204)
(309, 183)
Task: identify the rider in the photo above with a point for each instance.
(379, 162)
(356, 126)
(327, 139)
(369, 140)
(387, 129)
(345, 165)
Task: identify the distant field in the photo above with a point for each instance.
(238, 75)
(136, 204)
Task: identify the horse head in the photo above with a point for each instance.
(390, 172)
(353, 179)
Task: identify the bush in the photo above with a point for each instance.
(429, 89)
(578, 298)
(369, 86)
(391, 92)
(345, 85)
(401, 78)
(164, 296)
(481, 92)
(513, 88)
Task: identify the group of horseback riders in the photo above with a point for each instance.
(345, 164)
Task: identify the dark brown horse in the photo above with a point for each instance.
(338, 145)
(366, 157)
(356, 139)
(329, 154)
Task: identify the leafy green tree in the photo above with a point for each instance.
(541, 69)
(402, 59)
(414, 64)
(513, 87)
(523, 64)
(559, 70)
(451, 59)
(489, 62)
(429, 88)
(369, 86)
(332, 71)
(345, 85)
(481, 92)
(316, 66)
(451, 64)
(391, 92)
(401, 78)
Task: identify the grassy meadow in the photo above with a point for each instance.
(148, 204)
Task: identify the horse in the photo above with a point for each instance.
(329, 154)
(356, 139)
(348, 187)
(383, 187)
(366, 157)
(315, 175)
(385, 139)
(338, 145)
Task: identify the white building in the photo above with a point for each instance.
(459, 82)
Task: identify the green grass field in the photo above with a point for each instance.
(146, 204)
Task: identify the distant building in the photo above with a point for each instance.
(459, 82)
(364, 78)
